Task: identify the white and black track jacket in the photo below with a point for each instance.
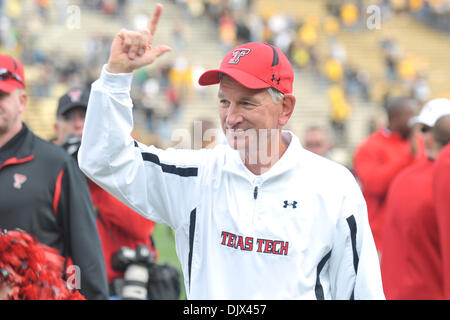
(298, 231)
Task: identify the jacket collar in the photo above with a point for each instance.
(19, 149)
(290, 159)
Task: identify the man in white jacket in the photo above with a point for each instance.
(257, 218)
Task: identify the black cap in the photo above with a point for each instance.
(74, 98)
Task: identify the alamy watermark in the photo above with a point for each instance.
(373, 20)
(256, 146)
(73, 21)
(73, 273)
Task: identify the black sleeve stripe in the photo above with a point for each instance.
(182, 172)
(191, 242)
(352, 225)
(319, 289)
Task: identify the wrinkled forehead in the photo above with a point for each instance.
(228, 84)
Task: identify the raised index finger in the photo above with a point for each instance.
(153, 23)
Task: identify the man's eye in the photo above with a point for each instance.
(223, 102)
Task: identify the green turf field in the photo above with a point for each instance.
(165, 243)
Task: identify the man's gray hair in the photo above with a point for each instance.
(277, 96)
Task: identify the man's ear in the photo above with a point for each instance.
(287, 109)
(23, 99)
(57, 131)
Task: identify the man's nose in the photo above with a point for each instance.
(233, 116)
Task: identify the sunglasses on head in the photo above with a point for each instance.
(6, 74)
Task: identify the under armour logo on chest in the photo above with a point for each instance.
(293, 204)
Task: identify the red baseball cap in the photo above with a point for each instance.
(255, 65)
(12, 75)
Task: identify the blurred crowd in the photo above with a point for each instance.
(24, 24)
(311, 43)
(348, 86)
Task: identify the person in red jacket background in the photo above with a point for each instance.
(382, 155)
(118, 225)
(441, 188)
(411, 258)
(121, 227)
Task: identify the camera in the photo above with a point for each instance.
(135, 264)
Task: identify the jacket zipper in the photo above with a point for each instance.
(257, 186)
(256, 191)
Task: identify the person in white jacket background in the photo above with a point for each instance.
(257, 218)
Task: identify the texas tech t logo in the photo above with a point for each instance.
(19, 180)
(237, 54)
(75, 95)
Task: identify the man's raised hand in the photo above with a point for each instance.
(132, 50)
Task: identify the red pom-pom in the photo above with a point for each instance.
(33, 270)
